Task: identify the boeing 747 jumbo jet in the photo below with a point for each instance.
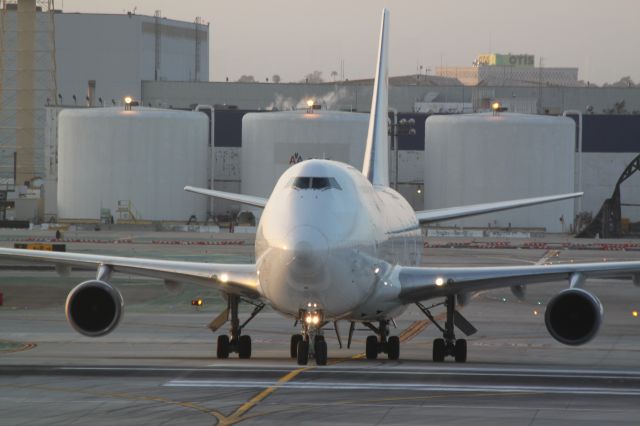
(336, 243)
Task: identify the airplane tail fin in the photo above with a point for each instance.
(376, 155)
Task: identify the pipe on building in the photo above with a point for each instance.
(579, 180)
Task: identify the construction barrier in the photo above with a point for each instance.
(41, 246)
(534, 245)
(201, 243)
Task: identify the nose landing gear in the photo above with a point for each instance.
(310, 342)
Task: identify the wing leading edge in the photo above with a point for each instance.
(429, 216)
(241, 198)
(422, 283)
(240, 279)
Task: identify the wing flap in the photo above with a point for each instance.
(421, 283)
(240, 279)
(428, 216)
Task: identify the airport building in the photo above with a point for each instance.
(496, 69)
(52, 58)
(246, 134)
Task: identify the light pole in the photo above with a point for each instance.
(399, 128)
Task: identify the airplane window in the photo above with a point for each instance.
(320, 183)
(335, 184)
(301, 183)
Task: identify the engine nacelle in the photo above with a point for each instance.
(573, 316)
(94, 308)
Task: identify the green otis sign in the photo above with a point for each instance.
(515, 60)
(508, 60)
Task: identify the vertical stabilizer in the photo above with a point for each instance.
(376, 154)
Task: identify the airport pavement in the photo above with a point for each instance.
(159, 366)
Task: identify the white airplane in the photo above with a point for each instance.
(335, 243)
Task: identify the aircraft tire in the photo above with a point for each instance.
(438, 350)
(321, 352)
(372, 347)
(460, 350)
(294, 345)
(393, 348)
(303, 353)
(244, 347)
(222, 350)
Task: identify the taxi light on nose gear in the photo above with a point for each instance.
(312, 318)
(634, 314)
(196, 302)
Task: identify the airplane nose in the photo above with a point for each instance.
(307, 251)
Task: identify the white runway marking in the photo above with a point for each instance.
(572, 390)
(382, 369)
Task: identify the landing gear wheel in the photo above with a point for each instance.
(372, 347)
(438, 350)
(321, 352)
(294, 345)
(460, 350)
(244, 347)
(222, 350)
(393, 347)
(303, 352)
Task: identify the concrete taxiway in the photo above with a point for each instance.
(159, 366)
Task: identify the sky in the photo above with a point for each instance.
(293, 38)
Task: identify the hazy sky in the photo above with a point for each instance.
(295, 37)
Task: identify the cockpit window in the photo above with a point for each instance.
(301, 183)
(318, 183)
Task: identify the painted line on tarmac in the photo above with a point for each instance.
(121, 395)
(386, 368)
(13, 347)
(572, 390)
(236, 416)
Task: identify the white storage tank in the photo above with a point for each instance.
(480, 158)
(273, 141)
(144, 156)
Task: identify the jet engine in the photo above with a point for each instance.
(573, 316)
(94, 308)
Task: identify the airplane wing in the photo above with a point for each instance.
(428, 216)
(241, 198)
(240, 279)
(421, 283)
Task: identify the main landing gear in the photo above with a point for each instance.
(448, 345)
(310, 342)
(235, 341)
(382, 342)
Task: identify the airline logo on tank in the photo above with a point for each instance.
(295, 159)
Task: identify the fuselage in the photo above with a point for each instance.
(329, 239)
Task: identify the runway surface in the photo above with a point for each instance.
(159, 366)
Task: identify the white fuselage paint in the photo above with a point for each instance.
(335, 248)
